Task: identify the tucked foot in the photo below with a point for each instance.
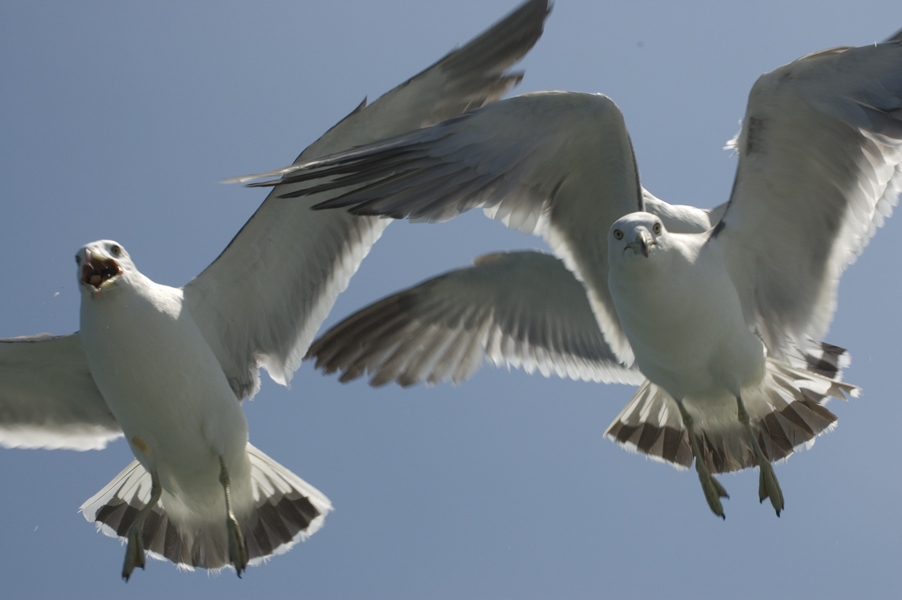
(713, 492)
(237, 549)
(134, 552)
(768, 486)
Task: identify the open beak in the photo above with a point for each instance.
(641, 243)
(96, 271)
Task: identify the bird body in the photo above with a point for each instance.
(680, 311)
(169, 367)
(726, 318)
(166, 389)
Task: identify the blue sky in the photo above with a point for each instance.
(118, 120)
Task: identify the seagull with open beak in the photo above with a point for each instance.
(98, 271)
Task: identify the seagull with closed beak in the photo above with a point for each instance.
(718, 315)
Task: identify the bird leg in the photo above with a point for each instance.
(712, 488)
(768, 486)
(237, 549)
(134, 551)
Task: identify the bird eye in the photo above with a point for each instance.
(116, 251)
(618, 235)
(78, 259)
(656, 228)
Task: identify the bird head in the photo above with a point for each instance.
(636, 236)
(101, 265)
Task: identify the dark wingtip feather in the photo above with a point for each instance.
(519, 31)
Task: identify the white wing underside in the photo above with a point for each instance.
(261, 302)
(533, 162)
(521, 309)
(48, 398)
(556, 164)
(820, 170)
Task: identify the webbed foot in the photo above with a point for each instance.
(238, 554)
(134, 552)
(713, 492)
(768, 486)
(712, 488)
(237, 550)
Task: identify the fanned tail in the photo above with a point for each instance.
(285, 510)
(650, 424)
(288, 509)
(786, 412)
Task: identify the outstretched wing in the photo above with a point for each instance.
(262, 300)
(559, 164)
(820, 169)
(523, 309)
(48, 398)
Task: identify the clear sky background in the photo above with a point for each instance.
(118, 120)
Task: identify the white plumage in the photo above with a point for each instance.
(820, 169)
(168, 367)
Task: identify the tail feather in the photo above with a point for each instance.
(821, 358)
(786, 412)
(288, 509)
(829, 361)
(285, 510)
(650, 424)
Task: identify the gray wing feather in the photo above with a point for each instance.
(522, 309)
(820, 169)
(48, 398)
(558, 164)
(262, 300)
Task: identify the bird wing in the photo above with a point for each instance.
(523, 309)
(262, 300)
(681, 218)
(48, 398)
(558, 164)
(820, 169)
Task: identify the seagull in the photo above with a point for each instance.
(168, 367)
(718, 315)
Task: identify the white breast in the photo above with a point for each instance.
(683, 318)
(160, 378)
